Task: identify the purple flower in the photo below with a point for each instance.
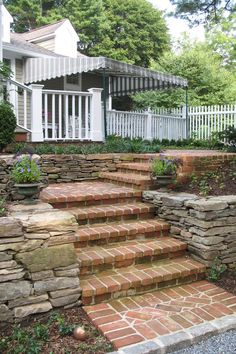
(22, 170)
(28, 169)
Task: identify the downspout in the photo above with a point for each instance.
(104, 101)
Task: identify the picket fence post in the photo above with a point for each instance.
(148, 135)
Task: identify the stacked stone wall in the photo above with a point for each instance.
(208, 225)
(38, 264)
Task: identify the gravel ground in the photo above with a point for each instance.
(224, 343)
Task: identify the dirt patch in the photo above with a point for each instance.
(219, 182)
(52, 333)
(228, 281)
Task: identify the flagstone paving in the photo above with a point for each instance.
(135, 319)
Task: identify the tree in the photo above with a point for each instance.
(129, 30)
(203, 11)
(222, 39)
(209, 82)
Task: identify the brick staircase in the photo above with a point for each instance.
(123, 249)
(134, 174)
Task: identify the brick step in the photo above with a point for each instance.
(127, 179)
(111, 213)
(144, 158)
(139, 279)
(67, 195)
(96, 259)
(123, 231)
(139, 168)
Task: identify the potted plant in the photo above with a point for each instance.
(164, 170)
(26, 174)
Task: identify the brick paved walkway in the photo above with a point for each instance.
(135, 319)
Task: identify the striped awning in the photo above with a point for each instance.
(124, 78)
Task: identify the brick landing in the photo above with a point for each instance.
(140, 318)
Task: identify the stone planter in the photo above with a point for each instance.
(28, 190)
(162, 181)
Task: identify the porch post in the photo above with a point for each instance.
(97, 123)
(36, 113)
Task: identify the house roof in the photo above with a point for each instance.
(19, 45)
(42, 31)
(125, 78)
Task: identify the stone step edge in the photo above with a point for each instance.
(90, 291)
(106, 257)
(183, 339)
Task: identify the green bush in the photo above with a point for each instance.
(229, 135)
(7, 124)
(26, 170)
(164, 166)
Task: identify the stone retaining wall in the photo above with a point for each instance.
(208, 225)
(38, 264)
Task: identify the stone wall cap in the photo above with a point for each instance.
(206, 204)
(230, 199)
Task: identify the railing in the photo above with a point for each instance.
(66, 115)
(205, 120)
(20, 97)
(160, 124)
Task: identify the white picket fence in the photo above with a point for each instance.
(197, 122)
(205, 120)
(160, 124)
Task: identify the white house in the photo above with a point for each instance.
(57, 92)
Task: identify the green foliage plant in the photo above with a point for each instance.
(26, 170)
(229, 136)
(2, 206)
(7, 124)
(216, 270)
(164, 166)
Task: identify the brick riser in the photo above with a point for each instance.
(106, 201)
(119, 212)
(141, 187)
(96, 259)
(139, 279)
(104, 234)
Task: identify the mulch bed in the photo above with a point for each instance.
(59, 326)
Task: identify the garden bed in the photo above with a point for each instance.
(227, 281)
(52, 333)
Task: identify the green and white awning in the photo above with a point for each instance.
(124, 78)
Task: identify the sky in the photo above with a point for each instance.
(177, 26)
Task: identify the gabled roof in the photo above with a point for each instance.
(18, 44)
(42, 31)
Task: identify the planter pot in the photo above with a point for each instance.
(162, 181)
(28, 190)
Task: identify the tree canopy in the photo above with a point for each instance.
(203, 11)
(209, 82)
(129, 30)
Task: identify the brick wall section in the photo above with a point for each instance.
(38, 264)
(208, 226)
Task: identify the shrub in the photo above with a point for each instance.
(229, 135)
(7, 124)
(26, 170)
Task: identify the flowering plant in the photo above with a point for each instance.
(164, 166)
(26, 170)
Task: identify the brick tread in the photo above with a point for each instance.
(102, 211)
(134, 277)
(131, 178)
(123, 229)
(86, 192)
(128, 250)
